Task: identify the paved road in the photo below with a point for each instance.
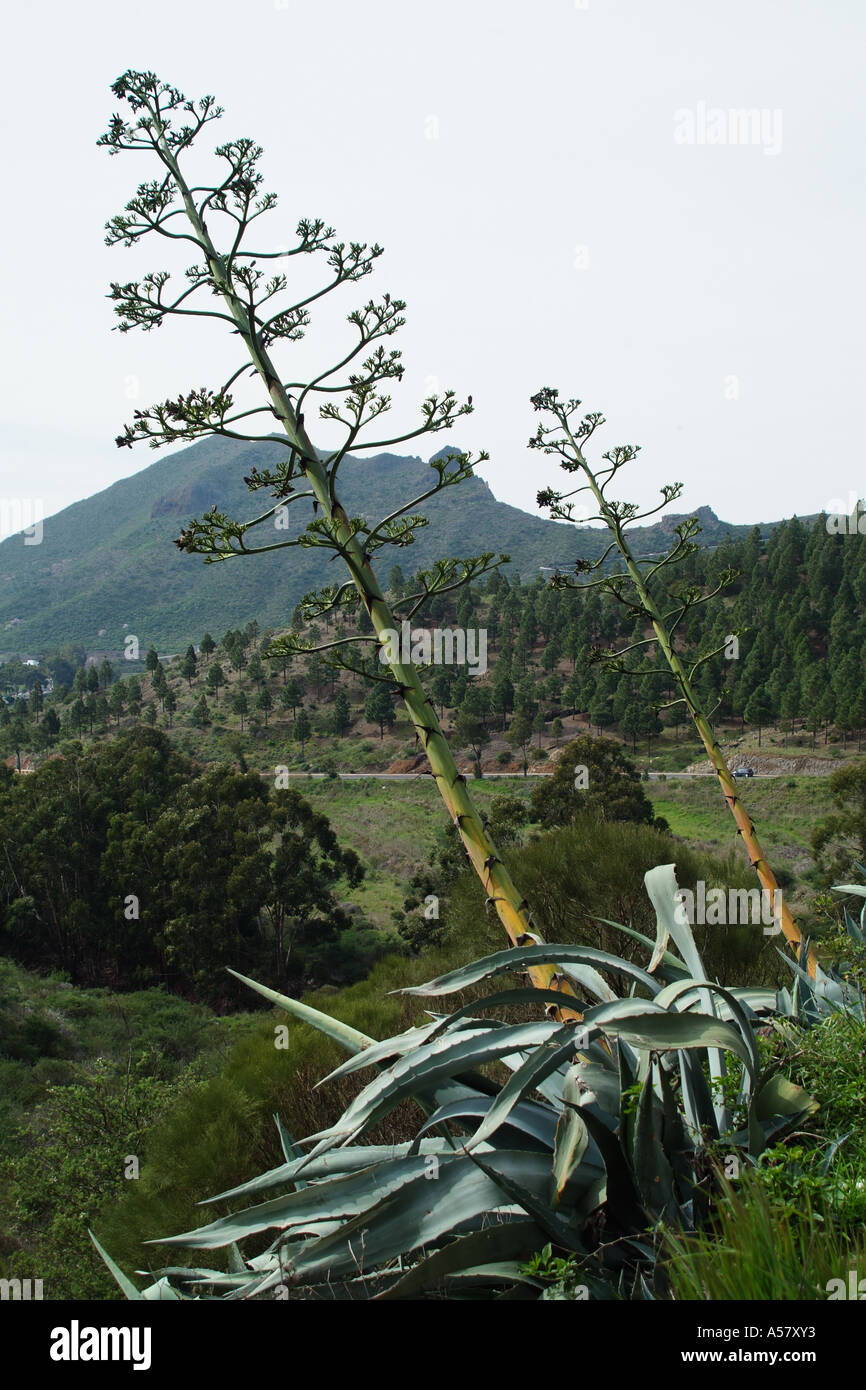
(402, 776)
(736, 779)
(426, 776)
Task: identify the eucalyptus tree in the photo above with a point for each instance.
(234, 282)
(640, 586)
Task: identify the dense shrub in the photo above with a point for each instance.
(756, 1250)
(593, 869)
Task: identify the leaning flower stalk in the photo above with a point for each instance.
(562, 439)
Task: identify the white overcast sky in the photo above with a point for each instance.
(527, 168)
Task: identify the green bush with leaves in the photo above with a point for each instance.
(110, 1068)
(581, 874)
(839, 841)
(223, 1129)
(128, 864)
(592, 777)
(85, 1145)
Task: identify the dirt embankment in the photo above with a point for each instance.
(419, 764)
(773, 763)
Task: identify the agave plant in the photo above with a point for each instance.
(855, 928)
(233, 290)
(822, 991)
(835, 989)
(813, 998)
(597, 1139)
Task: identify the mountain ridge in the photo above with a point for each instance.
(107, 565)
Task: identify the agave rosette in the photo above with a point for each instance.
(593, 1141)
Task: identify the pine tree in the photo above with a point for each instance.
(520, 737)
(240, 706)
(469, 730)
(342, 714)
(37, 700)
(265, 703)
(292, 695)
(187, 668)
(378, 708)
(650, 727)
(201, 713)
(600, 713)
(50, 725)
(159, 684)
(440, 690)
(216, 680)
(827, 711)
(302, 729)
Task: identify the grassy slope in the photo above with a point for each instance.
(84, 1075)
(784, 811)
(393, 826)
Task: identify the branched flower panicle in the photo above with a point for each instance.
(348, 393)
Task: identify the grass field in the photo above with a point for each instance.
(394, 826)
(784, 811)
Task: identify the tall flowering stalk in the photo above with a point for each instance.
(227, 284)
(567, 437)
